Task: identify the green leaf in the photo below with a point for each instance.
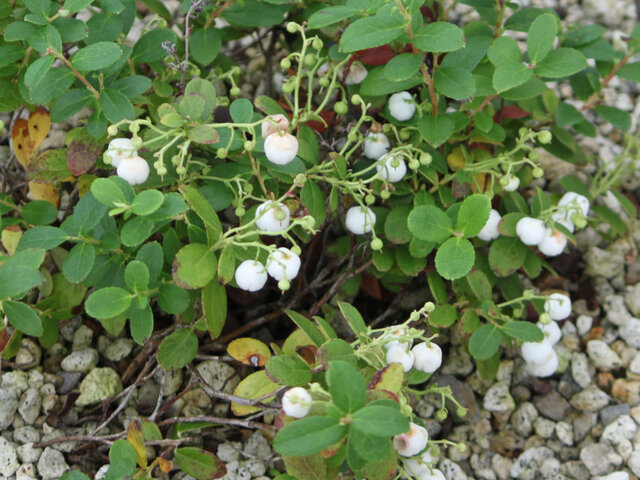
(330, 15)
(115, 105)
(39, 212)
(455, 258)
(70, 103)
(107, 192)
(380, 421)
(568, 115)
(205, 45)
(438, 37)
(312, 196)
(484, 342)
(346, 386)
(122, 459)
(479, 284)
(370, 32)
(79, 262)
(74, 6)
(136, 231)
(443, 316)
(630, 71)
(454, 82)
(204, 134)
(195, 265)
(178, 349)
(205, 211)
(74, 475)
(289, 371)
(141, 324)
(506, 255)
(615, 116)
(560, 63)
(541, 35)
(23, 318)
(524, 331)
(172, 298)
(308, 435)
(108, 302)
(609, 216)
(504, 51)
(241, 110)
(307, 326)
(16, 280)
(156, 6)
(307, 467)
(252, 13)
(353, 317)
(510, 75)
(147, 202)
(199, 464)
(376, 84)
(132, 85)
(136, 276)
(436, 129)
(37, 71)
(42, 237)
(428, 222)
(395, 225)
(473, 215)
(96, 56)
(521, 20)
(214, 306)
(149, 47)
(402, 67)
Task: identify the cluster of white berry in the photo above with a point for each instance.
(421, 468)
(425, 356)
(541, 358)
(573, 208)
(280, 146)
(123, 155)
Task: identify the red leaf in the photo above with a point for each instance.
(510, 111)
(376, 56)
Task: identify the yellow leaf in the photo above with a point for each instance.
(23, 145)
(39, 125)
(249, 351)
(390, 378)
(10, 238)
(135, 438)
(44, 191)
(456, 159)
(251, 387)
(165, 465)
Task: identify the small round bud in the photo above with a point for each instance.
(287, 87)
(462, 447)
(300, 179)
(236, 70)
(340, 108)
(376, 244)
(385, 194)
(317, 43)
(504, 181)
(181, 170)
(425, 158)
(137, 141)
(134, 127)
(162, 170)
(461, 412)
(324, 82)
(285, 64)
(441, 415)
(296, 249)
(112, 130)
(429, 307)
(537, 172)
(533, 155)
(545, 136)
(235, 91)
(292, 27)
(522, 131)
(221, 153)
(309, 60)
(249, 145)
(356, 99)
(405, 134)
(369, 199)
(240, 211)
(578, 220)
(175, 160)
(414, 164)
(284, 285)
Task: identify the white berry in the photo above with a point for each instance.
(272, 217)
(296, 402)
(575, 202)
(421, 466)
(561, 218)
(360, 220)
(134, 170)
(536, 353)
(399, 354)
(558, 306)
(281, 149)
(530, 230)
(545, 369)
(513, 184)
(391, 168)
(413, 442)
(432, 474)
(394, 333)
(251, 275)
(490, 230)
(551, 331)
(118, 150)
(401, 107)
(376, 145)
(428, 357)
(283, 264)
(552, 243)
(268, 126)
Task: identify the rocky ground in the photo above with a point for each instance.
(580, 424)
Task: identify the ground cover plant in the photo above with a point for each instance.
(386, 148)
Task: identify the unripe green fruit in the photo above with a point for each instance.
(181, 170)
(369, 199)
(376, 244)
(175, 160)
(236, 70)
(221, 153)
(284, 285)
(317, 43)
(533, 155)
(240, 211)
(405, 134)
(136, 141)
(545, 318)
(161, 170)
(310, 60)
(285, 64)
(385, 194)
(296, 249)
(235, 91)
(112, 130)
(300, 179)
(461, 412)
(441, 414)
(249, 145)
(356, 99)
(414, 164)
(425, 158)
(504, 181)
(324, 81)
(134, 127)
(287, 87)
(545, 137)
(292, 27)
(340, 108)
(537, 172)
